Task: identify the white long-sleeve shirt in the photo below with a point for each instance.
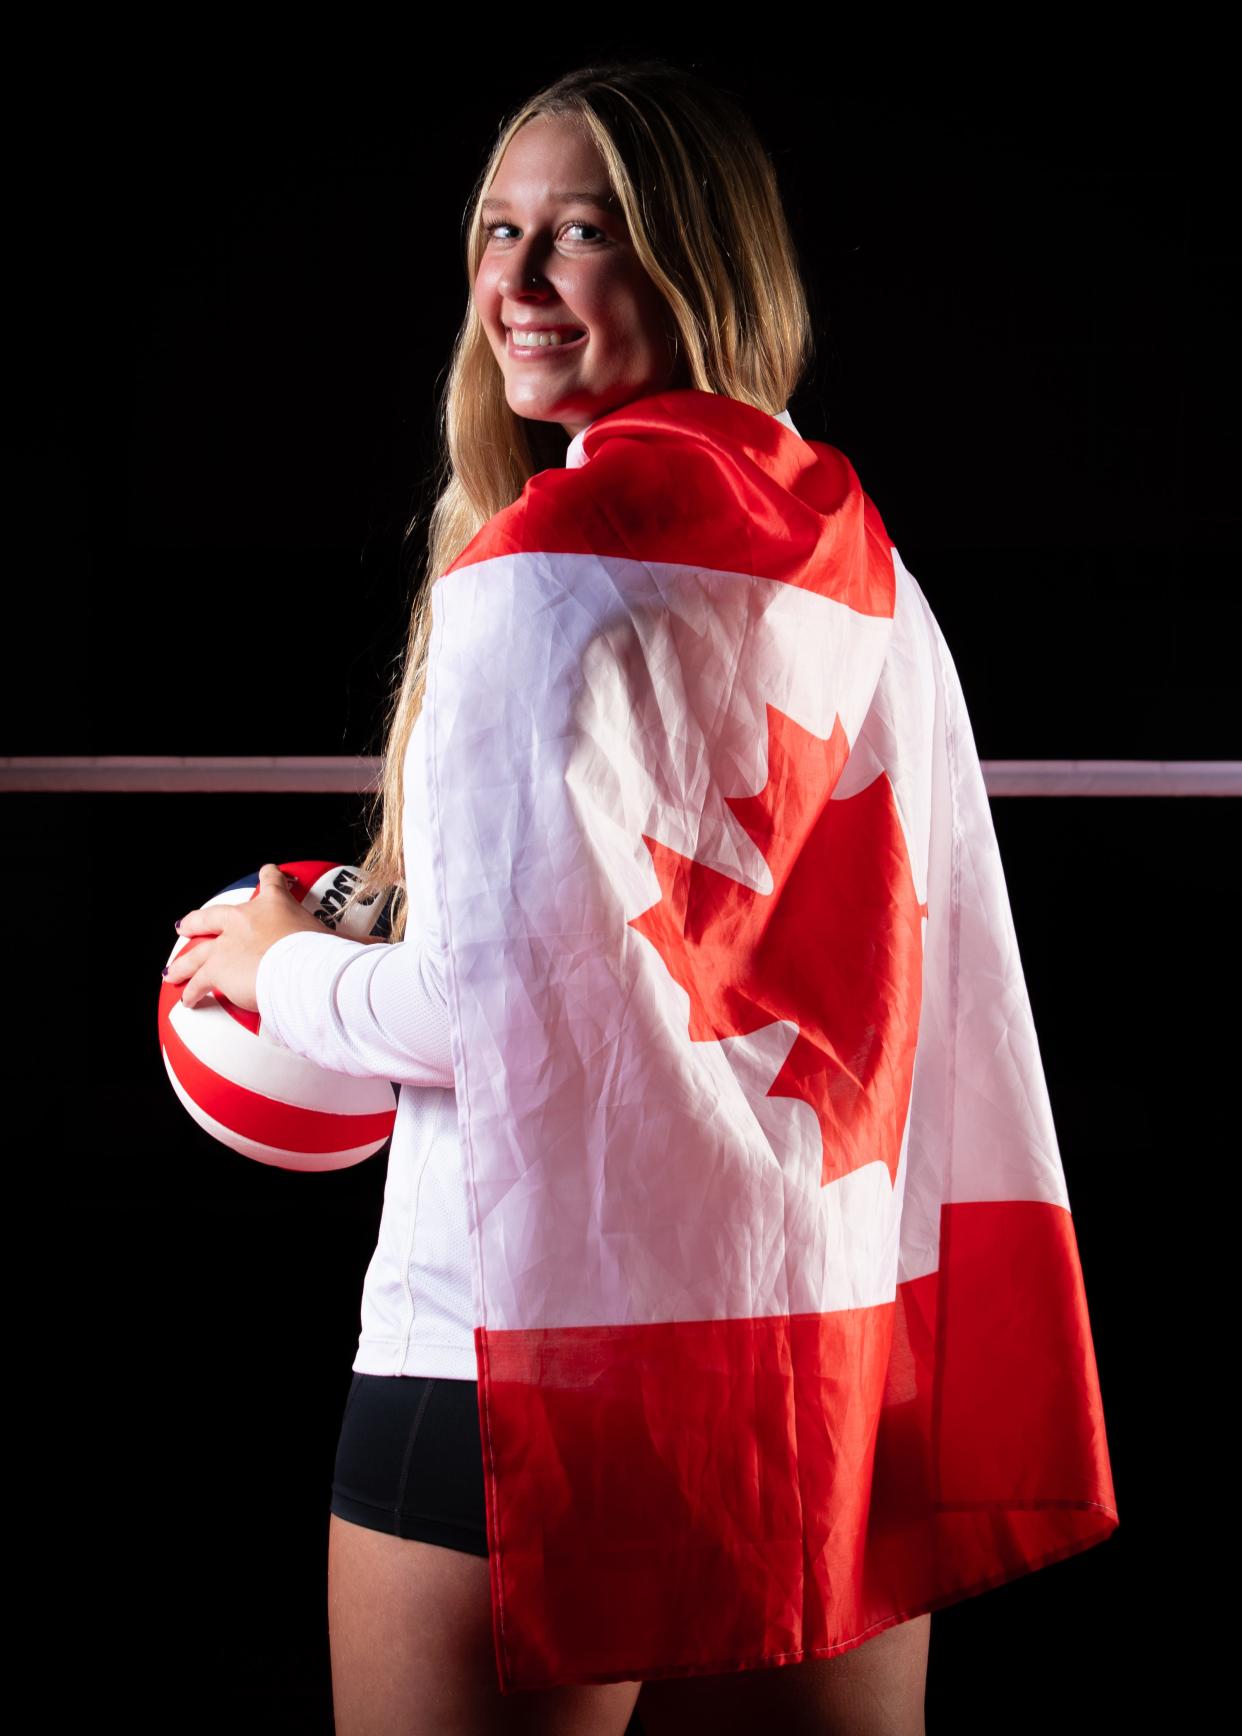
(382, 1012)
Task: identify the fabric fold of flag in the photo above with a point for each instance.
(780, 1322)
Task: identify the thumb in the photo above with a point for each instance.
(273, 878)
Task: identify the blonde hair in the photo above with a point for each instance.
(699, 195)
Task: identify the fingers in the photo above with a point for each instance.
(190, 965)
(191, 994)
(193, 966)
(190, 969)
(209, 921)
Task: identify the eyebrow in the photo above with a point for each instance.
(606, 201)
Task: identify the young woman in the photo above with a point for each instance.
(626, 238)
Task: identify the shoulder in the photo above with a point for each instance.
(693, 479)
(653, 474)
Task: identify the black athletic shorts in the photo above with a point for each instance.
(410, 1460)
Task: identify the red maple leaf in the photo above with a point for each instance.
(835, 948)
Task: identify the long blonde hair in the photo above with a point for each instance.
(700, 199)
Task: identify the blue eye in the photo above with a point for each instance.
(574, 223)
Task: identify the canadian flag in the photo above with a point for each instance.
(780, 1321)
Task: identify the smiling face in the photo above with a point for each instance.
(559, 260)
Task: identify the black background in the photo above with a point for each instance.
(243, 282)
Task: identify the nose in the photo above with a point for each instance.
(523, 276)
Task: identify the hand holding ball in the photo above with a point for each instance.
(228, 940)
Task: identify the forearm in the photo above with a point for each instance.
(376, 1011)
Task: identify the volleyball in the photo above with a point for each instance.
(247, 1090)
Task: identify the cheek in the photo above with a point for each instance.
(645, 316)
(620, 320)
(487, 307)
(485, 296)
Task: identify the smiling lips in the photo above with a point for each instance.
(530, 342)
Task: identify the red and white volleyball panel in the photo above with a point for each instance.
(247, 1090)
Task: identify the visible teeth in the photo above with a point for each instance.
(540, 340)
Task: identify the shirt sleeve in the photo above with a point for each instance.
(377, 1011)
